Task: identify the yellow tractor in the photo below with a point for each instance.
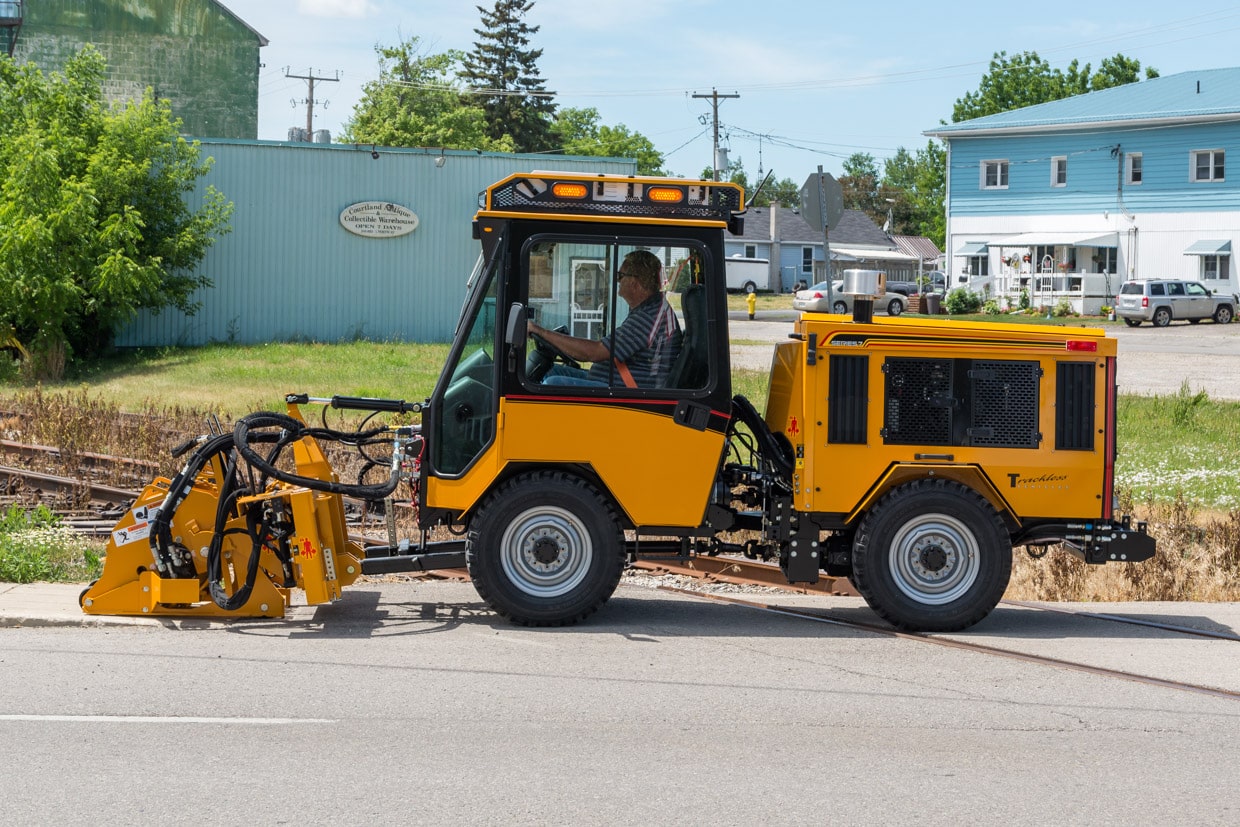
(907, 454)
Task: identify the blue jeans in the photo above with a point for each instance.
(575, 377)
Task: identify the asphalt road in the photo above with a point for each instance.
(411, 702)
(1151, 360)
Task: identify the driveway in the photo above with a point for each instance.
(1151, 360)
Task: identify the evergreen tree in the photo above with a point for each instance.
(504, 67)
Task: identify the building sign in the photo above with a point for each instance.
(378, 219)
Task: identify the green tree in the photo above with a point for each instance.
(504, 70)
(578, 132)
(786, 191)
(1026, 79)
(94, 220)
(416, 102)
(859, 185)
(916, 183)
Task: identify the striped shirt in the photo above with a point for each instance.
(647, 341)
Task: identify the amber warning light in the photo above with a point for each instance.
(666, 195)
(563, 190)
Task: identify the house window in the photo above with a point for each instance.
(751, 251)
(1207, 165)
(978, 266)
(994, 175)
(1044, 259)
(1133, 160)
(1215, 267)
(1105, 260)
(1059, 171)
(807, 260)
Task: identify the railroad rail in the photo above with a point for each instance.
(962, 645)
(22, 479)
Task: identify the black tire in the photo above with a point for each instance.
(1132, 322)
(1162, 317)
(932, 556)
(1194, 321)
(839, 307)
(895, 307)
(750, 287)
(1223, 314)
(545, 549)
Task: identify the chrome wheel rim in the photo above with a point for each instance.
(546, 551)
(934, 559)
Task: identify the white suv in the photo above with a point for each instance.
(1162, 300)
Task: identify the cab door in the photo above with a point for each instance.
(655, 442)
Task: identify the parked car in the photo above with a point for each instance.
(1161, 301)
(814, 299)
(934, 281)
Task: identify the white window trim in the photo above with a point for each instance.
(1056, 160)
(1128, 159)
(1192, 166)
(809, 261)
(1003, 164)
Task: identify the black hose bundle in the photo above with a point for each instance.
(232, 450)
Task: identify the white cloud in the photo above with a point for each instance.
(336, 8)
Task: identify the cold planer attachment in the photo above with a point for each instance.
(253, 514)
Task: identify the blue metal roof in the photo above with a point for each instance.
(1201, 95)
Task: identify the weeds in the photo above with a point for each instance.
(35, 546)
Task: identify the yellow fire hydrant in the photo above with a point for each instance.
(751, 299)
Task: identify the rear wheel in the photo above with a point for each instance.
(750, 287)
(895, 307)
(545, 549)
(1132, 322)
(839, 307)
(1223, 314)
(932, 556)
(1162, 317)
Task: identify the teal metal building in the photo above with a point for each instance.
(290, 270)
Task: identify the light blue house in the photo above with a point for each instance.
(1068, 199)
(782, 237)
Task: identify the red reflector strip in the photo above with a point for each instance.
(1078, 346)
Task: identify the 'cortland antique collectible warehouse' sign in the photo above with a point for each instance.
(378, 219)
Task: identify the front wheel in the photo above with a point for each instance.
(545, 549)
(1223, 314)
(932, 556)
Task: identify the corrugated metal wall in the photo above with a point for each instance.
(289, 271)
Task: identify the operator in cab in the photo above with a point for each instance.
(637, 354)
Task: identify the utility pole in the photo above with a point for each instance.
(714, 102)
(310, 101)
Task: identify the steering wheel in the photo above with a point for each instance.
(544, 354)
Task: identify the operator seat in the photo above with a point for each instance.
(691, 368)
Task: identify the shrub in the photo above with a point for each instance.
(991, 307)
(962, 301)
(1064, 308)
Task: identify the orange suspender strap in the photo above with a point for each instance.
(625, 374)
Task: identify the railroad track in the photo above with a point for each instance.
(743, 571)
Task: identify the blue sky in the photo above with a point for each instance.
(817, 80)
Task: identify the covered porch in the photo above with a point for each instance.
(1047, 268)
